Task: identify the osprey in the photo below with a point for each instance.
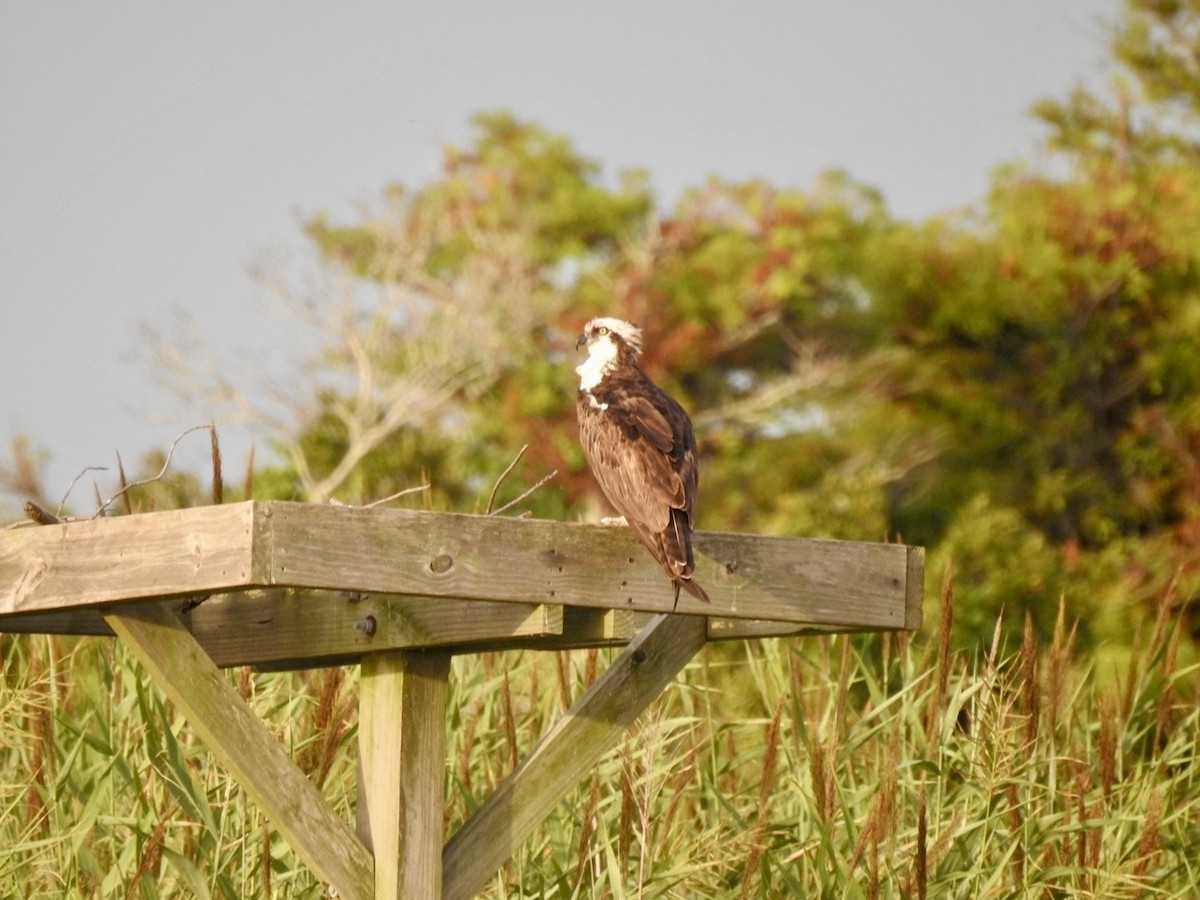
(640, 446)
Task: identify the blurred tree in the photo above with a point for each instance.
(1155, 103)
(1016, 387)
(747, 295)
(1051, 340)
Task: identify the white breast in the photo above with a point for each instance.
(602, 354)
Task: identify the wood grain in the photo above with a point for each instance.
(343, 551)
(529, 560)
(402, 744)
(306, 628)
(162, 554)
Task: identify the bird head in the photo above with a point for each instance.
(606, 329)
(606, 340)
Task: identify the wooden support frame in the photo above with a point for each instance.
(402, 750)
(288, 585)
(590, 727)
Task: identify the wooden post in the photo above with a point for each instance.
(237, 737)
(402, 749)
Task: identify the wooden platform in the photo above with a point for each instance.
(294, 585)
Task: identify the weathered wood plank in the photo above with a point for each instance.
(285, 628)
(402, 745)
(179, 552)
(528, 560)
(633, 680)
(281, 625)
(914, 589)
(723, 629)
(242, 743)
(379, 551)
(581, 628)
(83, 620)
(532, 628)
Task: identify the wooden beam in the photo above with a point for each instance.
(283, 625)
(561, 759)
(799, 580)
(209, 550)
(179, 552)
(914, 590)
(402, 747)
(491, 626)
(243, 745)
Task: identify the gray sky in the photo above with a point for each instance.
(149, 153)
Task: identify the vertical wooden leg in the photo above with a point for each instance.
(402, 752)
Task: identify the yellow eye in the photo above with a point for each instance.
(602, 330)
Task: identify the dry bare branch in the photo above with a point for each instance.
(122, 481)
(74, 481)
(133, 484)
(499, 481)
(511, 503)
(397, 495)
(400, 350)
(248, 481)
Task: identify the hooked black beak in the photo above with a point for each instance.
(581, 341)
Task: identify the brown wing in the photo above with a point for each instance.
(630, 458)
(642, 453)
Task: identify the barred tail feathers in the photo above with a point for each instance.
(676, 548)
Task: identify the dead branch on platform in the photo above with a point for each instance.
(488, 511)
(511, 503)
(334, 501)
(74, 481)
(397, 495)
(145, 481)
(122, 481)
(499, 481)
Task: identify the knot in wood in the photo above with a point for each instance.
(441, 564)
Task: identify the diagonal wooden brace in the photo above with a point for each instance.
(561, 759)
(236, 736)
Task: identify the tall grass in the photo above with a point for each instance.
(871, 766)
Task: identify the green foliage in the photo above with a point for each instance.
(1001, 563)
(851, 376)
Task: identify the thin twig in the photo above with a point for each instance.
(516, 500)
(163, 471)
(499, 481)
(411, 490)
(71, 486)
